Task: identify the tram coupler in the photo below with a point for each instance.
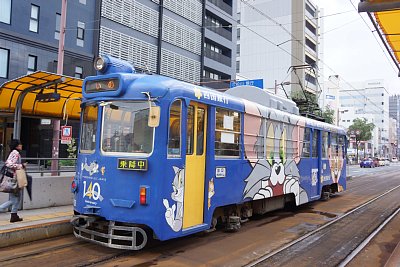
(82, 220)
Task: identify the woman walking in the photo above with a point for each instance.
(13, 162)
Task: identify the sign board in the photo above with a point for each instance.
(132, 164)
(257, 83)
(45, 121)
(220, 172)
(66, 134)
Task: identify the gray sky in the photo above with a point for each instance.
(350, 48)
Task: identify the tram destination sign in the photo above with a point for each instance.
(132, 164)
(95, 86)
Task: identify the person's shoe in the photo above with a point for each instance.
(15, 218)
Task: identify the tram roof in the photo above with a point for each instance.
(39, 83)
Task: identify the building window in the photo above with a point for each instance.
(34, 21)
(237, 66)
(83, 2)
(238, 50)
(80, 34)
(5, 11)
(78, 72)
(32, 64)
(4, 56)
(58, 26)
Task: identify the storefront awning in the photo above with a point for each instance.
(42, 88)
(386, 20)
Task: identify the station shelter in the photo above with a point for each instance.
(28, 107)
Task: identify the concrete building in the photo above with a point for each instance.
(188, 40)
(394, 112)
(369, 99)
(273, 37)
(330, 97)
(29, 33)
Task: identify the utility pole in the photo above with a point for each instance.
(60, 69)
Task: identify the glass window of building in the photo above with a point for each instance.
(32, 64)
(4, 55)
(83, 2)
(78, 72)
(5, 11)
(34, 21)
(80, 34)
(58, 23)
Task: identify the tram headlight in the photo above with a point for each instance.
(99, 64)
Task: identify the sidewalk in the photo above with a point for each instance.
(37, 224)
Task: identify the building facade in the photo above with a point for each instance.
(188, 40)
(368, 99)
(394, 112)
(278, 42)
(29, 34)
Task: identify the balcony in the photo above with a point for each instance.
(222, 5)
(218, 57)
(218, 29)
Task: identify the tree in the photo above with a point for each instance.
(362, 130)
(328, 115)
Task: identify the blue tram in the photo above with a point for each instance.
(159, 158)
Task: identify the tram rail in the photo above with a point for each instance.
(262, 261)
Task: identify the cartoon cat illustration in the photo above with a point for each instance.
(274, 174)
(336, 164)
(175, 220)
(92, 168)
(211, 191)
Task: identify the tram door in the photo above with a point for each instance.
(193, 204)
(315, 164)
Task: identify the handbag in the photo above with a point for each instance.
(21, 178)
(6, 171)
(8, 184)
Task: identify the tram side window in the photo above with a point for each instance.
(227, 133)
(324, 145)
(315, 144)
(341, 146)
(190, 131)
(200, 130)
(174, 141)
(334, 145)
(306, 143)
(291, 135)
(89, 129)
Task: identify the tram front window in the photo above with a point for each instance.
(89, 129)
(125, 128)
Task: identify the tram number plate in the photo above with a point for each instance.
(132, 164)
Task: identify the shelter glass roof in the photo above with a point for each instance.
(41, 82)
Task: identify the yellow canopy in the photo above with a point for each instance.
(39, 83)
(387, 23)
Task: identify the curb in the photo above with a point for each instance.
(35, 232)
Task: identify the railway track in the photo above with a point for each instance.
(329, 246)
